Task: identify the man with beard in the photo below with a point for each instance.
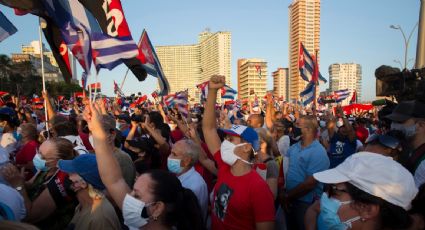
(409, 118)
(342, 143)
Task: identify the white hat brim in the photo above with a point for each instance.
(331, 176)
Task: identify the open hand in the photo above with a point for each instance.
(92, 114)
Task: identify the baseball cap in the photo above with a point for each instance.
(375, 174)
(85, 166)
(246, 133)
(406, 110)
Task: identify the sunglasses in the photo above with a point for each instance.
(385, 140)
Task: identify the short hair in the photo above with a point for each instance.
(311, 122)
(108, 123)
(65, 128)
(192, 150)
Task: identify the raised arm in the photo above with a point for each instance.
(203, 158)
(50, 111)
(269, 111)
(209, 122)
(108, 166)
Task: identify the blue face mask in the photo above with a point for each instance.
(328, 216)
(1, 129)
(39, 163)
(174, 165)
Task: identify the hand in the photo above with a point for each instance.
(93, 117)
(45, 95)
(13, 176)
(192, 134)
(216, 82)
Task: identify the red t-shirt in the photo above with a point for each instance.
(240, 201)
(25, 155)
(207, 175)
(85, 138)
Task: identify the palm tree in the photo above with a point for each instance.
(5, 68)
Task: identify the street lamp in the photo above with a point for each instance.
(406, 40)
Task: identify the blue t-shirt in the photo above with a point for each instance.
(304, 162)
(340, 148)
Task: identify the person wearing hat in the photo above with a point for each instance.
(94, 210)
(241, 198)
(366, 191)
(409, 118)
(342, 143)
(126, 164)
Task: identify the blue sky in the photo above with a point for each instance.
(351, 31)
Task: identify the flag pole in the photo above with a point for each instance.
(125, 77)
(316, 82)
(40, 25)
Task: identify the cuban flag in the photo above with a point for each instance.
(84, 80)
(306, 65)
(150, 61)
(181, 99)
(6, 27)
(203, 87)
(341, 95)
(308, 93)
(228, 93)
(169, 100)
(117, 90)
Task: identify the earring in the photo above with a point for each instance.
(155, 218)
(363, 219)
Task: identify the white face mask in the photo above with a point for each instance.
(132, 209)
(322, 124)
(228, 155)
(91, 141)
(172, 126)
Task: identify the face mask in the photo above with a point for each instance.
(329, 214)
(322, 124)
(132, 210)
(91, 141)
(39, 163)
(408, 131)
(174, 165)
(227, 153)
(1, 129)
(139, 129)
(118, 126)
(297, 132)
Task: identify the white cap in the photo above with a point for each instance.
(292, 117)
(375, 174)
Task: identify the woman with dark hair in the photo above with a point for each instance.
(157, 200)
(366, 191)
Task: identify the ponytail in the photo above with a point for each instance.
(189, 211)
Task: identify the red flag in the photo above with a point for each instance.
(95, 86)
(79, 95)
(353, 98)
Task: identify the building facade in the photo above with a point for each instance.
(51, 73)
(346, 76)
(186, 66)
(281, 83)
(249, 79)
(304, 26)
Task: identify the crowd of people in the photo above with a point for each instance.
(102, 166)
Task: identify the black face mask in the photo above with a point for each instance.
(296, 132)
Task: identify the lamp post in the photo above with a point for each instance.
(406, 40)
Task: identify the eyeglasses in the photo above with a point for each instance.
(385, 140)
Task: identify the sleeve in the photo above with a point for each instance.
(263, 205)
(272, 169)
(420, 174)
(57, 187)
(283, 145)
(318, 161)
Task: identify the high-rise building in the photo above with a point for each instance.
(181, 66)
(249, 78)
(304, 26)
(346, 76)
(34, 49)
(281, 83)
(185, 66)
(51, 73)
